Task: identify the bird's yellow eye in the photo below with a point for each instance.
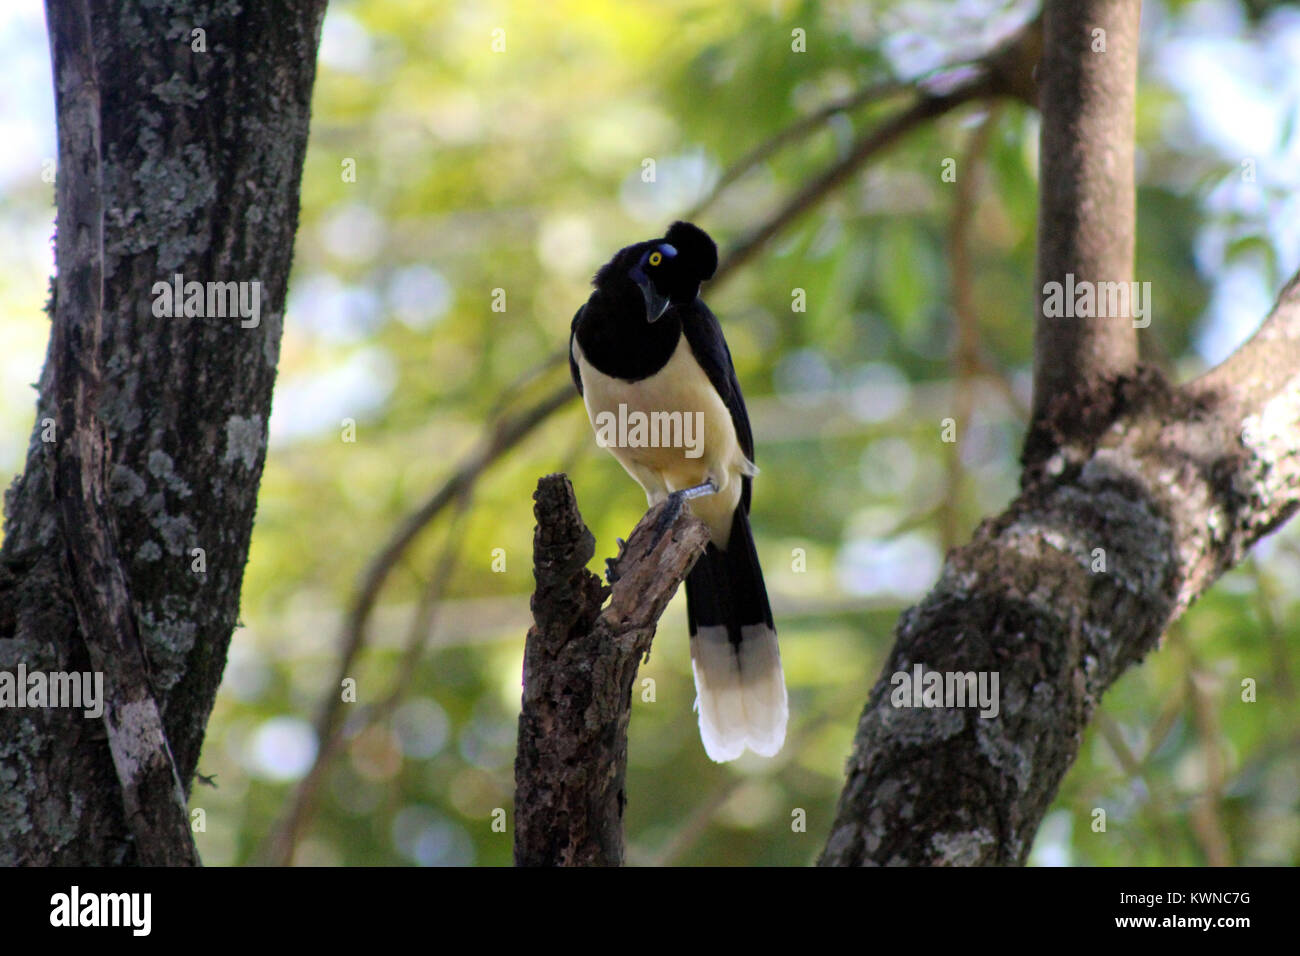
(656, 258)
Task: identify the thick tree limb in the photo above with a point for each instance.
(1087, 209)
(152, 795)
(580, 663)
(1172, 495)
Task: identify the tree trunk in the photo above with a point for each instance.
(182, 131)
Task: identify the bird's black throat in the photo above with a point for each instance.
(627, 348)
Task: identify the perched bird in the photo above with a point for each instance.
(642, 346)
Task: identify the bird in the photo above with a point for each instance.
(645, 344)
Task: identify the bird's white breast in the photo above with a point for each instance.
(681, 386)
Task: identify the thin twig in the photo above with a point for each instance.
(1206, 815)
(284, 841)
(1008, 69)
(796, 131)
(698, 820)
(1264, 597)
(425, 615)
(505, 436)
(1006, 72)
(965, 348)
(875, 141)
(1157, 801)
(511, 392)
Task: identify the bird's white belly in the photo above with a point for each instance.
(666, 456)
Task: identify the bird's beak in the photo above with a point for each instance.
(656, 303)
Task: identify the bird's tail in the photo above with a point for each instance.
(738, 678)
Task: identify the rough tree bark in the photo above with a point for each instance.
(1169, 487)
(1174, 493)
(579, 667)
(150, 432)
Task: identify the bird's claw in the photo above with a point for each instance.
(611, 564)
(672, 511)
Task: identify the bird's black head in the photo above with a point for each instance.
(666, 271)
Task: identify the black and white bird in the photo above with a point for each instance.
(645, 343)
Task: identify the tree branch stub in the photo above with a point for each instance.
(580, 664)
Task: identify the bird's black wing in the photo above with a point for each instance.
(704, 335)
(573, 363)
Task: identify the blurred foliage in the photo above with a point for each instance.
(522, 171)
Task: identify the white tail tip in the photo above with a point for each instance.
(740, 692)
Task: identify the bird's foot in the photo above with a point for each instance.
(611, 564)
(673, 509)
